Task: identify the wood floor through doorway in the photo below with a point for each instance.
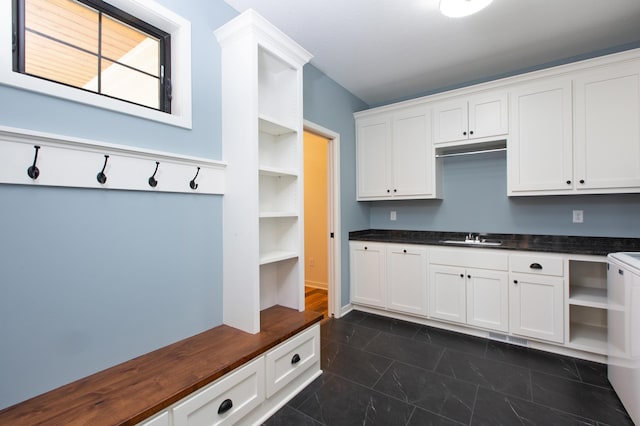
(316, 299)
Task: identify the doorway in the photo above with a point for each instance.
(321, 220)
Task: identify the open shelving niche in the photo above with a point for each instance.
(262, 136)
(587, 304)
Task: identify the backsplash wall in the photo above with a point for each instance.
(475, 200)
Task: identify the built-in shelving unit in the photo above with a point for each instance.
(263, 232)
(587, 304)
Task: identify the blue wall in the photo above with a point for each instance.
(91, 278)
(475, 200)
(331, 106)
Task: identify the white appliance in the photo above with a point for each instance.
(623, 325)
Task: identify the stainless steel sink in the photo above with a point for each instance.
(473, 242)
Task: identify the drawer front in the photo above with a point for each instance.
(239, 392)
(287, 361)
(537, 264)
(160, 420)
(470, 258)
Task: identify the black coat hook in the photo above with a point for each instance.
(152, 180)
(102, 178)
(193, 183)
(33, 170)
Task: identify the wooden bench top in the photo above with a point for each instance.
(132, 391)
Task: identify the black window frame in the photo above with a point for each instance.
(164, 38)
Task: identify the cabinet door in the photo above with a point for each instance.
(537, 307)
(540, 143)
(488, 299)
(450, 121)
(607, 128)
(412, 154)
(368, 267)
(447, 298)
(407, 279)
(372, 154)
(488, 115)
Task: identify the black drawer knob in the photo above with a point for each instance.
(515, 281)
(295, 359)
(471, 132)
(535, 266)
(226, 405)
(568, 182)
(464, 133)
(581, 180)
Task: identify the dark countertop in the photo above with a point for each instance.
(543, 243)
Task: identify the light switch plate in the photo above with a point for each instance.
(392, 215)
(578, 216)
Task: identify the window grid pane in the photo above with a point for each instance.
(66, 41)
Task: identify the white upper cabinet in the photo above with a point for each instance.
(540, 144)
(395, 157)
(480, 116)
(607, 128)
(580, 134)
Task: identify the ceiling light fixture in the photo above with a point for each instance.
(460, 8)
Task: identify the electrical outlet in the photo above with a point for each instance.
(578, 216)
(392, 215)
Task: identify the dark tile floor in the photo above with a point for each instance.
(380, 371)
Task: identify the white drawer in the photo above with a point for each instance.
(288, 360)
(244, 388)
(537, 264)
(159, 420)
(470, 258)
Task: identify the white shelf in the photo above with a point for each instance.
(276, 171)
(271, 126)
(267, 215)
(277, 256)
(588, 296)
(588, 337)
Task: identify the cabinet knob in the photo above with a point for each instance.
(471, 132)
(468, 276)
(581, 180)
(226, 405)
(365, 247)
(295, 359)
(395, 190)
(515, 281)
(404, 251)
(535, 266)
(464, 133)
(388, 190)
(461, 275)
(568, 182)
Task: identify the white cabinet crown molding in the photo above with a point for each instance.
(554, 71)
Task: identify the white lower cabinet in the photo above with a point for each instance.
(537, 307)
(389, 276)
(469, 286)
(447, 293)
(368, 273)
(537, 297)
(488, 299)
(407, 279)
(226, 401)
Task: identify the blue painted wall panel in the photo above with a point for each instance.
(91, 278)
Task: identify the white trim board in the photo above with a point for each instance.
(73, 162)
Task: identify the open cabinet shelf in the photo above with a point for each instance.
(262, 131)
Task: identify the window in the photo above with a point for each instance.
(131, 56)
(93, 46)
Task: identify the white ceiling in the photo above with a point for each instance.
(385, 50)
